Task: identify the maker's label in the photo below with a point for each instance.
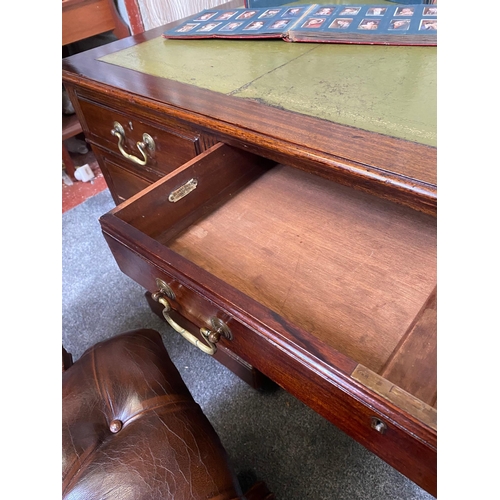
(182, 191)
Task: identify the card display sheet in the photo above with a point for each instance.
(376, 24)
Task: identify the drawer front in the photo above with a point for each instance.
(122, 182)
(223, 355)
(351, 412)
(144, 146)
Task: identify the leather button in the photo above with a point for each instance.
(115, 426)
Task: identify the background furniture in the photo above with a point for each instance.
(70, 128)
(148, 14)
(85, 18)
(332, 293)
(131, 428)
(82, 19)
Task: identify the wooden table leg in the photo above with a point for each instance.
(69, 165)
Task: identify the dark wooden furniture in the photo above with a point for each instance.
(70, 128)
(82, 19)
(85, 18)
(283, 214)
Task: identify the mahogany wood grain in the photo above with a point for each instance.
(312, 371)
(85, 18)
(402, 399)
(415, 359)
(328, 260)
(69, 164)
(122, 183)
(220, 172)
(70, 126)
(110, 160)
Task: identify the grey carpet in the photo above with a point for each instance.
(269, 436)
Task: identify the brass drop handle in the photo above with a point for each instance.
(211, 336)
(147, 143)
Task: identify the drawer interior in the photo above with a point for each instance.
(354, 270)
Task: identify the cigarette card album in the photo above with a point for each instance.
(274, 3)
(408, 24)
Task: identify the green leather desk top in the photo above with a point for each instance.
(385, 89)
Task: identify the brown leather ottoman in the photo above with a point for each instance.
(131, 429)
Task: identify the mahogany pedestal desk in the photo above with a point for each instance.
(277, 201)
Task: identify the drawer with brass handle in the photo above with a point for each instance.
(278, 266)
(146, 147)
(143, 145)
(210, 336)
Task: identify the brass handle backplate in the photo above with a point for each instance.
(147, 144)
(210, 336)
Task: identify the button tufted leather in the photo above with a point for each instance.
(115, 426)
(132, 431)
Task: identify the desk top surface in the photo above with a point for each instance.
(371, 108)
(384, 89)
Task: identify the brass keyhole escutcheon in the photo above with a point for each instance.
(378, 425)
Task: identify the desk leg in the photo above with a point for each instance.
(68, 163)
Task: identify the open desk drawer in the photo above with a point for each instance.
(329, 291)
